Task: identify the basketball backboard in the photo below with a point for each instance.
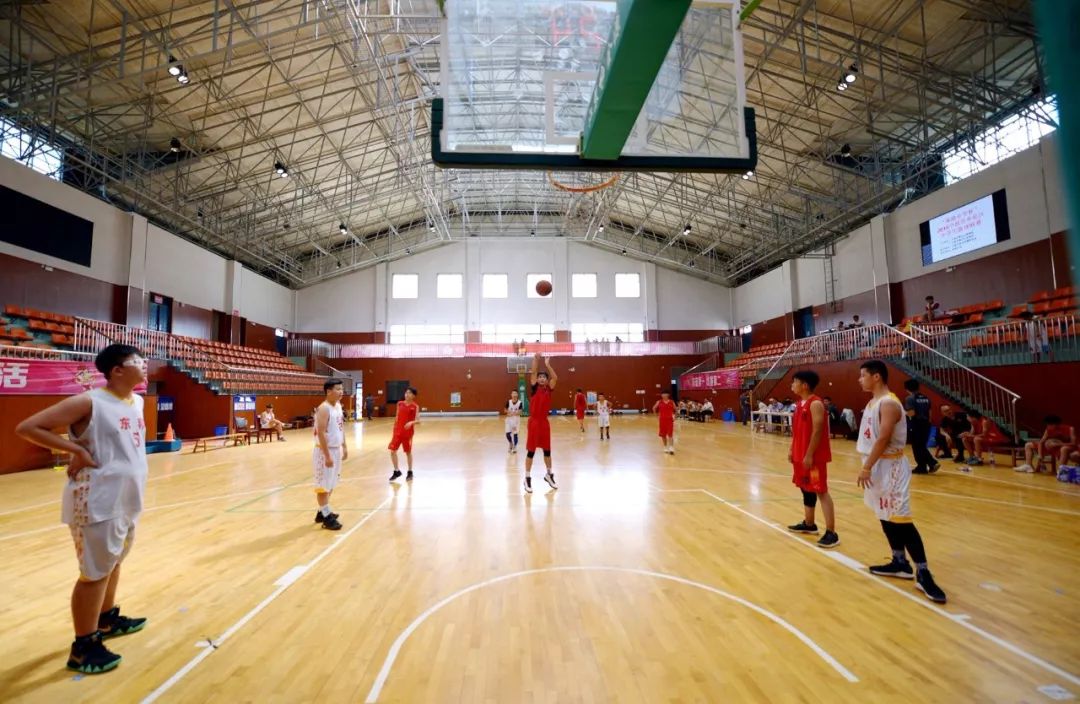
(522, 81)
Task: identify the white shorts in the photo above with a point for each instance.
(326, 478)
(889, 495)
(511, 424)
(101, 546)
(604, 420)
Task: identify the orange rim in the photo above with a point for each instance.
(581, 189)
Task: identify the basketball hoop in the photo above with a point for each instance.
(581, 189)
(521, 369)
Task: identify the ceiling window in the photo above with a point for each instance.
(627, 286)
(494, 286)
(405, 286)
(583, 286)
(448, 285)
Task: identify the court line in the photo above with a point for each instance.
(391, 656)
(283, 583)
(946, 494)
(145, 510)
(854, 565)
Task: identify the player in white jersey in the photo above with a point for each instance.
(330, 451)
(603, 415)
(103, 496)
(513, 421)
(886, 480)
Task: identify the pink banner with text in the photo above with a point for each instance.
(47, 377)
(706, 381)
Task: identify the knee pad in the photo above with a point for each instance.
(809, 499)
(530, 454)
(547, 453)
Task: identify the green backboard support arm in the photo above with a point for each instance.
(641, 37)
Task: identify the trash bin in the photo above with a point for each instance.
(221, 430)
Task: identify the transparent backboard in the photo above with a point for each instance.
(519, 76)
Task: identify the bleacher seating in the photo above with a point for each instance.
(27, 327)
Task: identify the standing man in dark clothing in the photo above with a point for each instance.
(917, 408)
(744, 406)
(369, 406)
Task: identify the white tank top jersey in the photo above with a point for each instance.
(115, 436)
(603, 408)
(870, 430)
(513, 408)
(335, 426)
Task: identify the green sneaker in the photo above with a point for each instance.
(90, 656)
(111, 624)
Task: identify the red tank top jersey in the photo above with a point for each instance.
(539, 404)
(667, 410)
(802, 428)
(1059, 432)
(406, 412)
(579, 402)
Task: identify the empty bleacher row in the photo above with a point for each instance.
(27, 327)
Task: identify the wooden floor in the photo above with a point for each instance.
(645, 578)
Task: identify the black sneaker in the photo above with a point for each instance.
(331, 523)
(924, 582)
(959, 459)
(935, 467)
(895, 568)
(408, 477)
(395, 476)
(528, 485)
(829, 540)
(90, 656)
(550, 479)
(112, 624)
(803, 527)
(319, 518)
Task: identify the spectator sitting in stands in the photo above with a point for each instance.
(982, 436)
(268, 421)
(931, 308)
(840, 325)
(856, 322)
(682, 409)
(707, 411)
(1057, 438)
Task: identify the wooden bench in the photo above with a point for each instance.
(236, 438)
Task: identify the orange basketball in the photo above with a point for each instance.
(543, 287)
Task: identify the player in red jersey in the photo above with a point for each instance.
(580, 405)
(809, 457)
(404, 424)
(666, 407)
(539, 428)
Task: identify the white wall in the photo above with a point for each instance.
(1022, 177)
(344, 304)
(682, 302)
(265, 302)
(768, 296)
(184, 271)
(112, 227)
(687, 303)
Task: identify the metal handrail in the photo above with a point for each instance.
(953, 377)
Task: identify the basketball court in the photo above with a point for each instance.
(646, 193)
(644, 577)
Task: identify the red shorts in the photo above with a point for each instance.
(815, 480)
(402, 440)
(580, 413)
(667, 428)
(539, 437)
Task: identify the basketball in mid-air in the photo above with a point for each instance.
(543, 287)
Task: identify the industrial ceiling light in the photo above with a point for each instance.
(432, 227)
(748, 175)
(183, 77)
(841, 86)
(175, 69)
(280, 170)
(851, 74)
(601, 229)
(174, 145)
(686, 230)
(343, 228)
(845, 150)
